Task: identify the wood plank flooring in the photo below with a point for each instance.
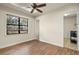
(36, 47)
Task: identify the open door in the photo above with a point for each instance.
(70, 32)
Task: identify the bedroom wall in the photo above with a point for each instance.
(78, 28)
(8, 40)
(51, 28)
(37, 28)
(51, 25)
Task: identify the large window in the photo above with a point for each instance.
(16, 25)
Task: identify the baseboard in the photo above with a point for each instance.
(1, 47)
(27, 41)
(51, 43)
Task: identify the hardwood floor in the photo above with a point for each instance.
(36, 48)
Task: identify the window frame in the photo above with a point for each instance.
(18, 25)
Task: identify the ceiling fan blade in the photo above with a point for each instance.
(41, 5)
(32, 11)
(39, 10)
(34, 4)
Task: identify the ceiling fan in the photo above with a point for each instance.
(35, 7)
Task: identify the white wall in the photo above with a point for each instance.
(51, 28)
(8, 40)
(78, 28)
(69, 25)
(51, 25)
(37, 28)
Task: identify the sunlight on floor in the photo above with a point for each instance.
(70, 45)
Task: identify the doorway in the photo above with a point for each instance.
(37, 29)
(70, 31)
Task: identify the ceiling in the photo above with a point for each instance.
(26, 7)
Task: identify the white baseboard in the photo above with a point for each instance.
(27, 41)
(51, 43)
(15, 43)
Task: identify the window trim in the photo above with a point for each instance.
(19, 25)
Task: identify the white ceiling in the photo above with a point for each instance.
(26, 7)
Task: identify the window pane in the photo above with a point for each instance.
(23, 21)
(23, 27)
(12, 32)
(12, 19)
(12, 24)
(11, 27)
(23, 32)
